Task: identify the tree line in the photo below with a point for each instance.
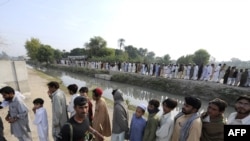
(96, 50)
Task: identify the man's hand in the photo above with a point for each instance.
(34, 109)
(12, 119)
(49, 94)
(7, 118)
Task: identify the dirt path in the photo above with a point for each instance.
(38, 88)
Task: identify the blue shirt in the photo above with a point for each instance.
(137, 127)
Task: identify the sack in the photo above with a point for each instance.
(127, 134)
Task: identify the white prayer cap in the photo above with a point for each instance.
(142, 106)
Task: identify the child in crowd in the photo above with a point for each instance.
(137, 124)
(153, 120)
(166, 126)
(41, 119)
(84, 92)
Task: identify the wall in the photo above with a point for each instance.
(14, 74)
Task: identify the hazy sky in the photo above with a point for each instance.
(174, 27)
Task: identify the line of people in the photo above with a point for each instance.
(189, 124)
(230, 75)
(84, 124)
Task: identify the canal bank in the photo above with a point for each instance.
(201, 89)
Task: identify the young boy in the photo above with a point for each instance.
(137, 124)
(41, 119)
(153, 119)
(165, 129)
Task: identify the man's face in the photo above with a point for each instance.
(7, 97)
(242, 106)
(165, 108)
(151, 107)
(82, 111)
(51, 90)
(84, 94)
(187, 109)
(94, 97)
(213, 110)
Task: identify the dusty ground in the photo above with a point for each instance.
(38, 88)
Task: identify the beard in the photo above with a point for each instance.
(242, 111)
(8, 99)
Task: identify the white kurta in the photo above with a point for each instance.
(20, 128)
(165, 130)
(41, 121)
(17, 94)
(216, 74)
(196, 69)
(70, 108)
(232, 121)
(59, 112)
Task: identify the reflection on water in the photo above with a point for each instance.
(134, 94)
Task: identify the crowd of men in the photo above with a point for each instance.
(85, 123)
(220, 73)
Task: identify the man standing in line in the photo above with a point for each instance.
(216, 73)
(222, 72)
(17, 115)
(59, 108)
(78, 125)
(153, 120)
(187, 126)
(213, 121)
(84, 92)
(101, 122)
(120, 117)
(72, 88)
(242, 114)
(166, 124)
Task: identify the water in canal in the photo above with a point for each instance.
(134, 94)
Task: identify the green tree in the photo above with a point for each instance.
(65, 54)
(132, 52)
(58, 54)
(159, 60)
(104, 52)
(143, 52)
(32, 47)
(185, 59)
(150, 57)
(45, 54)
(201, 56)
(77, 52)
(121, 43)
(94, 45)
(166, 59)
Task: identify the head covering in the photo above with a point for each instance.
(80, 101)
(98, 91)
(142, 106)
(193, 101)
(117, 95)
